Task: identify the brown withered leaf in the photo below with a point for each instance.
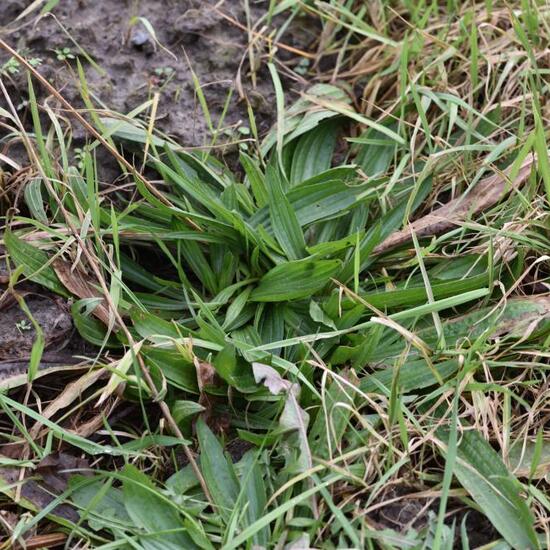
(78, 283)
(206, 374)
(49, 540)
(41, 484)
(55, 469)
(485, 194)
(71, 393)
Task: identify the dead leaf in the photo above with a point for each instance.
(293, 418)
(41, 484)
(78, 283)
(71, 392)
(271, 379)
(485, 194)
(51, 540)
(56, 469)
(15, 373)
(206, 374)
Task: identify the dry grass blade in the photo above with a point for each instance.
(51, 540)
(71, 393)
(486, 194)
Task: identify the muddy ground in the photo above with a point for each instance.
(116, 35)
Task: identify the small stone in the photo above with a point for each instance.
(141, 40)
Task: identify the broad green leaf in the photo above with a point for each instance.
(313, 201)
(319, 316)
(154, 513)
(305, 114)
(175, 365)
(256, 179)
(313, 154)
(387, 224)
(413, 296)
(218, 471)
(34, 200)
(99, 502)
(480, 470)
(34, 262)
(198, 263)
(154, 328)
(414, 375)
(252, 482)
(90, 328)
(293, 280)
(183, 412)
(233, 370)
(375, 152)
(285, 224)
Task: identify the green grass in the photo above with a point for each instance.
(376, 359)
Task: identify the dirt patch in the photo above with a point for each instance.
(133, 66)
(17, 334)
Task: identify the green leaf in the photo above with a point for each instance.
(313, 201)
(99, 502)
(197, 261)
(417, 295)
(285, 224)
(184, 411)
(375, 153)
(152, 512)
(34, 200)
(482, 473)
(313, 154)
(232, 370)
(39, 342)
(293, 280)
(305, 114)
(90, 328)
(255, 178)
(345, 110)
(414, 375)
(34, 261)
(255, 494)
(218, 471)
(178, 369)
(319, 316)
(155, 328)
